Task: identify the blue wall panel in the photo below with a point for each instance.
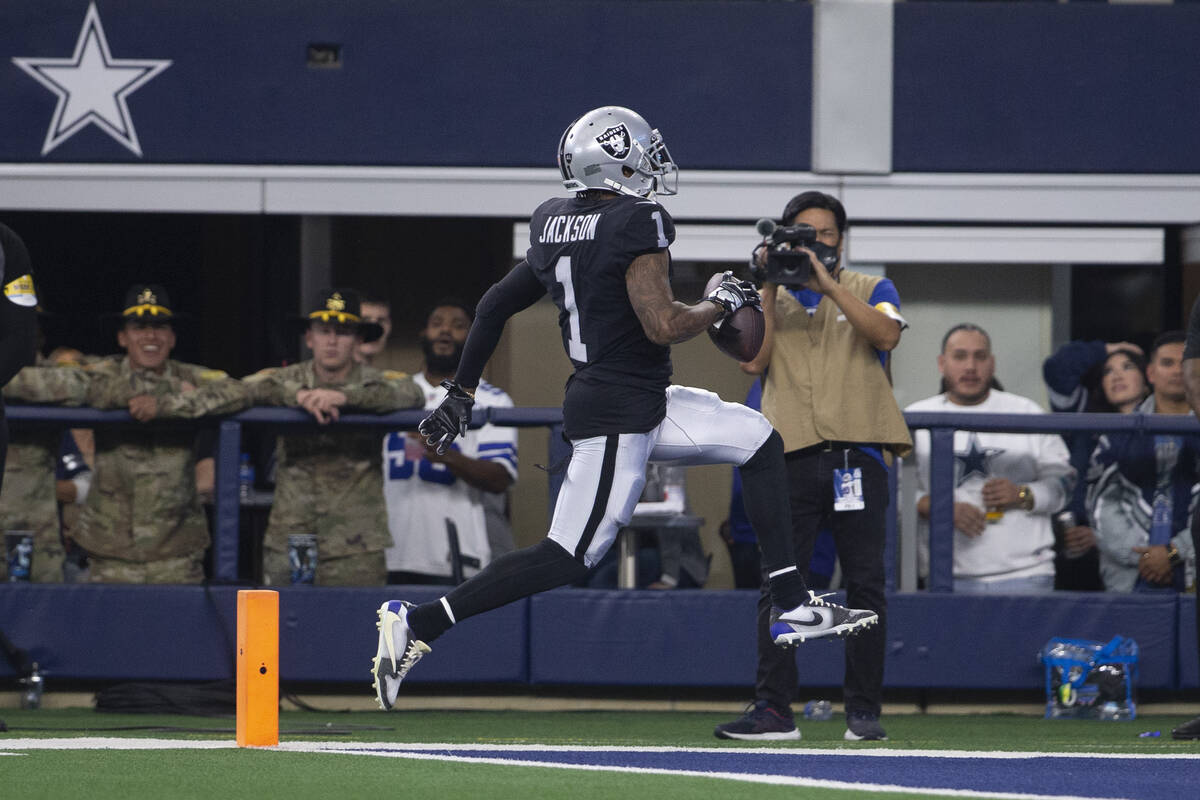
(579, 636)
(993, 642)
(1189, 648)
(121, 631)
(705, 638)
(185, 633)
(425, 82)
(978, 87)
(329, 633)
(685, 638)
(1042, 87)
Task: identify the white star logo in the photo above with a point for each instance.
(92, 86)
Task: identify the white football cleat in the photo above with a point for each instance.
(398, 651)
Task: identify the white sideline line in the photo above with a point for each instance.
(117, 743)
(781, 751)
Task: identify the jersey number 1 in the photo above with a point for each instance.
(576, 349)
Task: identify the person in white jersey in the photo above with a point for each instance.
(459, 495)
(1006, 485)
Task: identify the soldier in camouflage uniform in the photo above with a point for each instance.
(29, 502)
(143, 522)
(328, 506)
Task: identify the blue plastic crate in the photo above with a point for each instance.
(1090, 680)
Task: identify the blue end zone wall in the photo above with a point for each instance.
(426, 82)
(578, 636)
(1037, 87)
(977, 87)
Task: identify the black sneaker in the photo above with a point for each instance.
(862, 726)
(761, 722)
(1188, 730)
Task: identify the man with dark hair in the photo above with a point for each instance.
(1131, 473)
(461, 494)
(1191, 384)
(602, 256)
(143, 522)
(1006, 485)
(328, 525)
(826, 390)
(376, 310)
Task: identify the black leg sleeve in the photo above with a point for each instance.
(510, 577)
(765, 492)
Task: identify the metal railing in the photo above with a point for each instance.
(941, 425)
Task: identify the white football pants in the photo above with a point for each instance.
(607, 473)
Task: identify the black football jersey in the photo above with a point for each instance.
(580, 250)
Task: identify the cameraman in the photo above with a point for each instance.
(826, 389)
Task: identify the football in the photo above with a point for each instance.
(741, 336)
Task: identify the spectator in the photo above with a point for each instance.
(379, 312)
(827, 392)
(1191, 384)
(1093, 377)
(427, 492)
(143, 522)
(1142, 489)
(1006, 485)
(29, 504)
(327, 524)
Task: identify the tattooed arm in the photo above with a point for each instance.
(665, 319)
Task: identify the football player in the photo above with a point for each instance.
(18, 317)
(602, 255)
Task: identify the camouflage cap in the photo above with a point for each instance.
(341, 307)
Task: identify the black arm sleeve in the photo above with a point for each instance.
(18, 323)
(516, 291)
(18, 338)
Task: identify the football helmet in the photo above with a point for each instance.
(613, 149)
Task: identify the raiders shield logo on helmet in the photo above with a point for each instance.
(615, 141)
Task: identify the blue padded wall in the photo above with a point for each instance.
(992, 642)
(185, 633)
(118, 632)
(1189, 648)
(579, 636)
(329, 634)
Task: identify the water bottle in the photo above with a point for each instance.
(245, 477)
(31, 694)
(818, 710)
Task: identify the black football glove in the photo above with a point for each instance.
(731, 294)
(449, 420)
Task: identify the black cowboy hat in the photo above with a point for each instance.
(341, 307)
(146, 302)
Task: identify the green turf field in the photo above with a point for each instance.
(220, 773)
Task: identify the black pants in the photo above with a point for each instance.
(859, 537)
